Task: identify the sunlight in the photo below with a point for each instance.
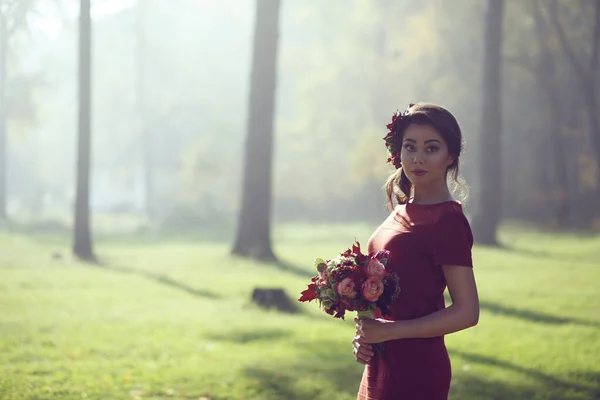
(48, 21)
(107, 7)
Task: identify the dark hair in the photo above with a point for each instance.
(398, 186)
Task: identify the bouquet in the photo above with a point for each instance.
(353, 282)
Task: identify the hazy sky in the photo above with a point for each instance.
(48, 20)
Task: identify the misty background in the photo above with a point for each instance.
(169, 105)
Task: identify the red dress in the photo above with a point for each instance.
(420, 238)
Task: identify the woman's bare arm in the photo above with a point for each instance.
(462, 314)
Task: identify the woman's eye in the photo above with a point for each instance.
(409, 147)
(432, 149)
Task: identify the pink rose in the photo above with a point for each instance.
(372, 288)
(376, 268)
(346, 288)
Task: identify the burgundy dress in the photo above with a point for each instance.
(420, 239)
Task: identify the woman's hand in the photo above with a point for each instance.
(374, 330)
(362, 351)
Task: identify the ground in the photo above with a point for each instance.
(171, 319)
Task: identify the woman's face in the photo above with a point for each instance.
(424, 155)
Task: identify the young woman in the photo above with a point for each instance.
(430, 241)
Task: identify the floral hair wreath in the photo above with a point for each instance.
(391, 139)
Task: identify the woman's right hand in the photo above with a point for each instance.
(362, 351)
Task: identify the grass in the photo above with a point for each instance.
(171, 319)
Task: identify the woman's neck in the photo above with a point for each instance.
(431, 194)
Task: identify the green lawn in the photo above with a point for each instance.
(172, 320)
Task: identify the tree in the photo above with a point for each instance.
(546, 76)
(12, 16)
(586, 70)
(568, 74)
(145, 133)
(3, 142)
(486, 222)
(82, 242)
(253, 238)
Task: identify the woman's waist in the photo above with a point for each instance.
(407, 356)
(405, 310)
(436, 342)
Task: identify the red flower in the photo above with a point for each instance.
(391, 141)
(309, 294)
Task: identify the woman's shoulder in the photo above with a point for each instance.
(453, 207)
(437, 211)
(450, 212)
(451, 221)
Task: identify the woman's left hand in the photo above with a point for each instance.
(374, 330)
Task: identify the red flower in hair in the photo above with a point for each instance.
(392, 140)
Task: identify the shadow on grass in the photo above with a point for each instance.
(590, 387)
(469, 387)
(274, 385)
(331, 372)
(322, 373)
(533, 316)
(165, 280)
(281, 265)
(529, 315)
(286, 266)
(241, 337)
(584, 257)
(326, 369)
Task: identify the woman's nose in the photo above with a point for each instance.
(418, 158)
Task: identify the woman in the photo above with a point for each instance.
(430, 242)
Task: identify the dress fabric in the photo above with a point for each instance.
(421, 238)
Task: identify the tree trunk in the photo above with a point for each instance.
(82, 246)
(274, 298)
(593, 100)
(3, 135)
(486, 222)
(546, 76)
(594, 84)
(587, 210)
(145, 134)
(253, 237)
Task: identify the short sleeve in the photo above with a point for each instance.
(452, 240)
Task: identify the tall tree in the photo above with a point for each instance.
(253, 238)
(146, 137)
(587, 69)
(487, 220)
(12, 17)
(3, 141)
(547, 79)
(82, 242)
